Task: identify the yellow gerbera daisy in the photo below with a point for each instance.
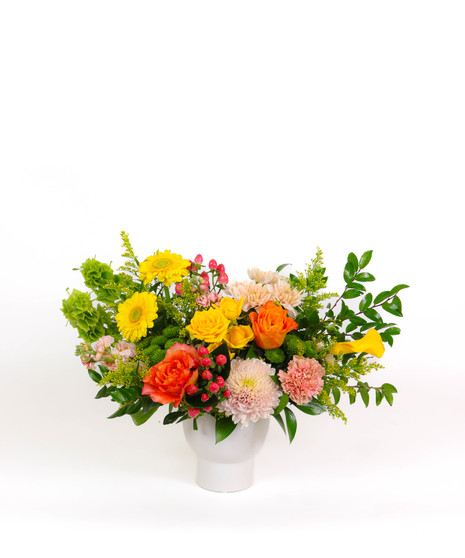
(166, 267)
(136, 315)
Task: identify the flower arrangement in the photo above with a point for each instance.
(175, 333)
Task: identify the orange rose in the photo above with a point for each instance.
(270, 325)
(166, 382)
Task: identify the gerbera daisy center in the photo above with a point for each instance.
(162, 263)
(135, 314)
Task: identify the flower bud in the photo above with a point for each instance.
(203, 351)
(220, 268)
(220, 381)
(178, 289)
(204, 397)
(205, 362)
(226, 393)
(212, 264)
(198, 259)
(193, 412)
(208, 409)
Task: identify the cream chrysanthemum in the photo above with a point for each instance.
(136, 315)
(168, 268)
(263, 277)
(255, 295)
(254, 395)
(288, 297)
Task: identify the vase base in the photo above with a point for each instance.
(225, 477)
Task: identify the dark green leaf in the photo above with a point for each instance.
(389, 388)
(393, 331)
(349, 272)
(357, 286)
(119, 396)
(364, 394)
(336, 394)
(373, 315)
(369, 325)
(313, 407)
(352, 293)
(352, 397)
(119, 413)
(291, 423)
(281, 267)
(365, 277)
(365, 259)
(387, 338)
(283, 401)
(398, 288)
(353, 260)
(389, 397)
(382, 296)
(358, 320)
(140, 417)
(351, 327)
(279, 420)
(394, 307)
(365, 302)
(94, 376)
(148, 404)
(103, 392)
(223, 428)
(379, 396)
(173, 417)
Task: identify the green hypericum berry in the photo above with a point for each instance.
(275, 356)
(159, 340)
(96, 274)
(171, 342)
(171, 331)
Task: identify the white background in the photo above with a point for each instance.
(251, 132)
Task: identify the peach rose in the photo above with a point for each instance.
(270, 325)
(166, 382)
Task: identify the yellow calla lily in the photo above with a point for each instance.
(370, 343)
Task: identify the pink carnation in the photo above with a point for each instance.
(303, 379)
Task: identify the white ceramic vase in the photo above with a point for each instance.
(229, 465)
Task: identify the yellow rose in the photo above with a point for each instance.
(370, 343)
(238, 336)
(208, 325)
(231, 307)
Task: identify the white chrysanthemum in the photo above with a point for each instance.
(255, 295)
(263, 277)
(288, 297)
(254, 395)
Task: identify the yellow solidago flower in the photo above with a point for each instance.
(231, 307)
(370, 343)
(208, 325)
(238, 336)
(136, 315)
(168, 268)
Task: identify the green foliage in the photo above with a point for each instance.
(126, 374)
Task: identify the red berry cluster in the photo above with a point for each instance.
(210, 385)
(217, 272)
